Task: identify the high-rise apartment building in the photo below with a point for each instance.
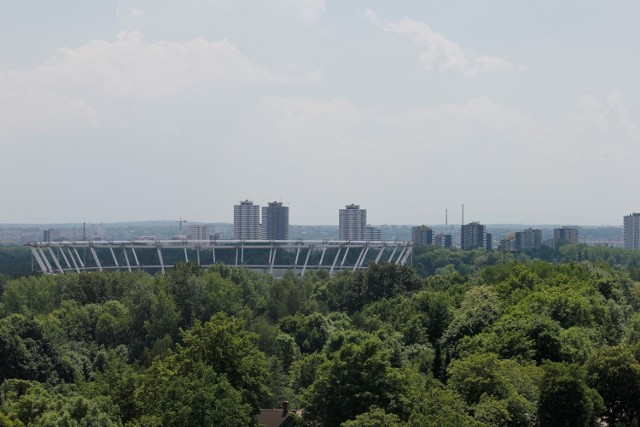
(246, 221)
(472, 236)
(444, 240)
(422, 235)
(527, 239)
(275, 221)
(353, 223)
(373, 234)
(488, 241)
(199, 232)
(564, 235)
(632, 231)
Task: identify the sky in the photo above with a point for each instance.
(124, 110)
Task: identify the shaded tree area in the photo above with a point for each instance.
(15, 261)
(501, 343)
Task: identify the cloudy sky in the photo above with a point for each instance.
(127, 110)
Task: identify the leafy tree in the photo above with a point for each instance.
(350, 292)
(27, 353)
(304, 371)
(29, 403)
(114, 378)
(565, 397)
(577, 343)
(615, 374)
(632, 330)
(529, 337)
(187, 291)
(189, 393)
(376, 417)
(437, 307)
(439, 407)
(29, 295)
(286, 349)
(478, 309)
(113, 322)
(357, 378)
(310, 332)
(498, 391)
(229, 349)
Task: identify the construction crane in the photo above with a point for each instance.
(181, 221)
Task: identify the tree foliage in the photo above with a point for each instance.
(481, 341)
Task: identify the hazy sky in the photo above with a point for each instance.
(155, 109)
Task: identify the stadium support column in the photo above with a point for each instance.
(46, 261)
(36, 255)
(95, 257)
(397, 262)
(135, 256)
(322, 257)
(393, 253)
(380, 253)
(73, 260)
(126, 258)
(360, 256)
(335, 260)
(64, 257)
(79, 258)
(306, 260)
(115, 260)
(344, 258)
(272, 260)
(161, 261)
(55, 260)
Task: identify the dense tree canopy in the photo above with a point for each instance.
(482, 340)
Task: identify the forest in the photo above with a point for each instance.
(547, 338)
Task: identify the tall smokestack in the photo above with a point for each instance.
(446, 220)
(463, 214)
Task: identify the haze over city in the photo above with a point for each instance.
(526, 112)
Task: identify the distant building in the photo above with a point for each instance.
(373, 234)
(352, 223)
(246, 221)
(444, 240)
(488, 241)
(632, 231)
(527, 239)
(97, 232)
(52, 235)
(199, 232)
(565, 235)
(275, 221)
(422, 235)
(472, 236)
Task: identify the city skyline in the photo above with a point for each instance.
(128, 110)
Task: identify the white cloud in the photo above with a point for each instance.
(27, 105)
(130, 67)
(605, 121)
(439, 54)
(77, 82)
